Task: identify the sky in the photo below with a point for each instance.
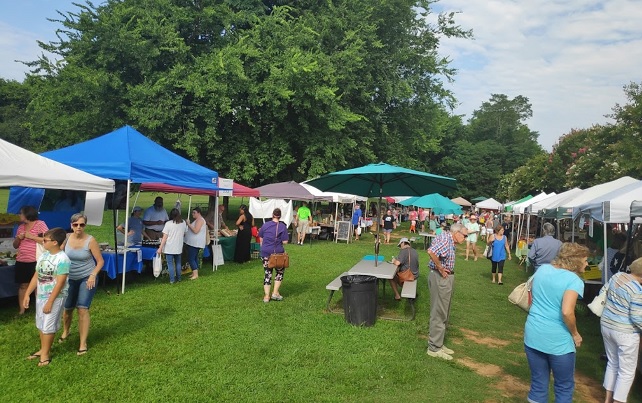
(570, 58)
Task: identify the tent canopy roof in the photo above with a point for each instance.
(20, 167)
(461, 201)
(336, 197)
(126, 154)
(289, 190)
(489, 204)
(237, 190)
(378, 180)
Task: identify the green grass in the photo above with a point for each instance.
(215, 340)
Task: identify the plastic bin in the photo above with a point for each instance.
(359, 299)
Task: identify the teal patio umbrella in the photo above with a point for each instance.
(436, 202)
(379, 180)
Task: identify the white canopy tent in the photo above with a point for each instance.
(489, 204)
(613, 207)
(552, 202)
(20, 167)
(336, 197)
(520, 208)
(570, 208)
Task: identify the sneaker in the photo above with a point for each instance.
(277, 297)
(439, 354)
(447, 350)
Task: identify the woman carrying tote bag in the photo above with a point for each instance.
(273, 235)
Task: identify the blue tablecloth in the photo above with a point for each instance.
(133, 263)
(7, 286)
(148, 252)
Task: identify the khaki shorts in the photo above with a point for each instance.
(302, 228)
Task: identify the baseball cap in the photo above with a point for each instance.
(402, 240)
(137, 208)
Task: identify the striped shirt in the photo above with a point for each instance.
(27, 247)
(444, 247)
(623, 309)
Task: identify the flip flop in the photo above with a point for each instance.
(33, 355)
(82, 352)
(44, 363)
(63, 339)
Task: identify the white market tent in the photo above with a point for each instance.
(613, 207)
(489, 204)
(520, 208)
(20, 167)
(570, 208)
(336, 197)
(552, 202)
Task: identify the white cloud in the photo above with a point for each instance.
(570, 58)
(16, 44)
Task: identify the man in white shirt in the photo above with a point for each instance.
(154, 219)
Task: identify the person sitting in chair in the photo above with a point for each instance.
(408, 259)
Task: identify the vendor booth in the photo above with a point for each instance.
(125, 154)
(20, 167)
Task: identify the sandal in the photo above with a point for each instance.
(82, 352)
(63, 339)
(44, 363)
(266, 299)
(277, 297)
(33, 355)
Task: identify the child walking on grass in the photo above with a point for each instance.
(50, 283)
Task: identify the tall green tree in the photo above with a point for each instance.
(14, 98)
(259, 90)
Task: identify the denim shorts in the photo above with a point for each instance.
(78, 296)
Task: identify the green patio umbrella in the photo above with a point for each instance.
(379, 180)
(436, 202)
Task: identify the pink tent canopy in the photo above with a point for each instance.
(237, 190)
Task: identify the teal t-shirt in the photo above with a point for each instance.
(545, 329)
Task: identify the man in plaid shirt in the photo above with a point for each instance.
(440, 283)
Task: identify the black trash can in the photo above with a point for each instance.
(359, 299)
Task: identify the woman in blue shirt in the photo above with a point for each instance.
(499, 243)
(550, 334)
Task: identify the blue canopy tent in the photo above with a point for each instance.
(126, 154)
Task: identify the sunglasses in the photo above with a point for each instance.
(78, 224)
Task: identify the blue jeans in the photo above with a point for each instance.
(78, 296)
(192, 256)
(173, 266)
(541, 364)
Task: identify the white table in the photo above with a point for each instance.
(384, 270)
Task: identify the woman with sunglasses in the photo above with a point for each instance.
(86, 263)
(28, 236)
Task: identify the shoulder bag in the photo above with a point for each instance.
(278, 260)
(597, 306)
(488, 252)
(522, 295)
(406, 275)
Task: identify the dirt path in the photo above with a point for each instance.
(509, 386)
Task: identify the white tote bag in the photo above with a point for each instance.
(597, 306)
(157, 264)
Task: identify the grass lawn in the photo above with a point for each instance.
(215, 340)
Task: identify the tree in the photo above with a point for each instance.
(14, 98)
(258, 90)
